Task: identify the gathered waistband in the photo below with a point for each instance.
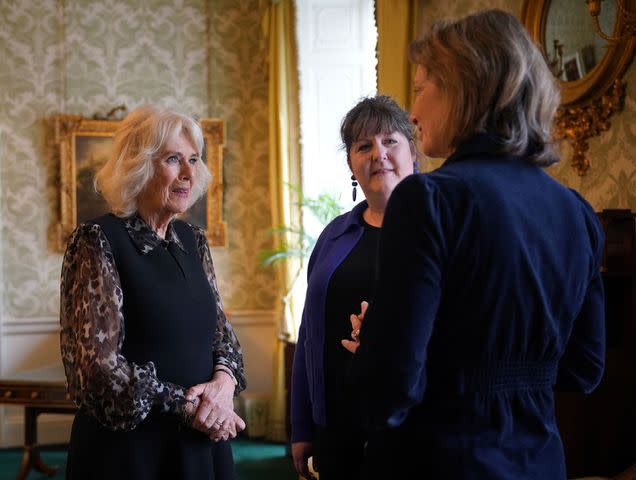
(498, 377)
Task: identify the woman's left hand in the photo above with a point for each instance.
(227, 430)
(216, 406)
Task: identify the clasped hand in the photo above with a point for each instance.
(214, 408)
(356, 323)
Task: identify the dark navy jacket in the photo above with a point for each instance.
(489, 296)
(308, 378)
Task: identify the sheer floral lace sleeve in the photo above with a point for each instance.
(227, 350)
(119, 394)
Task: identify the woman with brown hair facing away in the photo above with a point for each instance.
(489, 293)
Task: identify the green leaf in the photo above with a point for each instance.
(294, 241)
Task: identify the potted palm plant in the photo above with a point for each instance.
(324, 208)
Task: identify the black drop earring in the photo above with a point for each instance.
(354, 184)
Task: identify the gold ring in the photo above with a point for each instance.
(355, 334)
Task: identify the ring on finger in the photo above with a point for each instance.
(355, 334)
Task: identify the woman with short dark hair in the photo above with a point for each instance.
(378, 138)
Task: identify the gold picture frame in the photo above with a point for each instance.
(83, 145)
(588, 102)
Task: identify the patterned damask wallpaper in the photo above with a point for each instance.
(611, 180)
(202, 56)
(87, 56)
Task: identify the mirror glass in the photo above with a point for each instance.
(572, 46)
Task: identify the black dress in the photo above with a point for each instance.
(340, 444)
(170, 315)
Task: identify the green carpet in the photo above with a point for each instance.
(10, 463)
(262, 461)
(254, 460)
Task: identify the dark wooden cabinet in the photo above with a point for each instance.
(599, 430)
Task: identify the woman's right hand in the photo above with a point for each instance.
(356, 323)
(301, 451)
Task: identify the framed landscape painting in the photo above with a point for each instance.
(83, 145)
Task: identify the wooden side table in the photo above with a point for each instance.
(39, 391)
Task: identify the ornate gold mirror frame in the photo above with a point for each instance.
(588, 103)
(82, 145)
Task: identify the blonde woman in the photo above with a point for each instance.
(150, 358)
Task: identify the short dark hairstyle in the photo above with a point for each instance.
(373, 115)
(495, 80)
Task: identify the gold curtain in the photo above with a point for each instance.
(398, 25)
(284, 170)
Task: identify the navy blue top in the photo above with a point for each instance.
(489, 296)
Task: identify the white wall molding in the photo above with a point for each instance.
(252, 317)
(30, 325)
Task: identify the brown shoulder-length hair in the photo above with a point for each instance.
(495, 80)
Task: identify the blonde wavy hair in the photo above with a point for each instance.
(496, 81)
(139, 141)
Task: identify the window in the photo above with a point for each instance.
(336, 60)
